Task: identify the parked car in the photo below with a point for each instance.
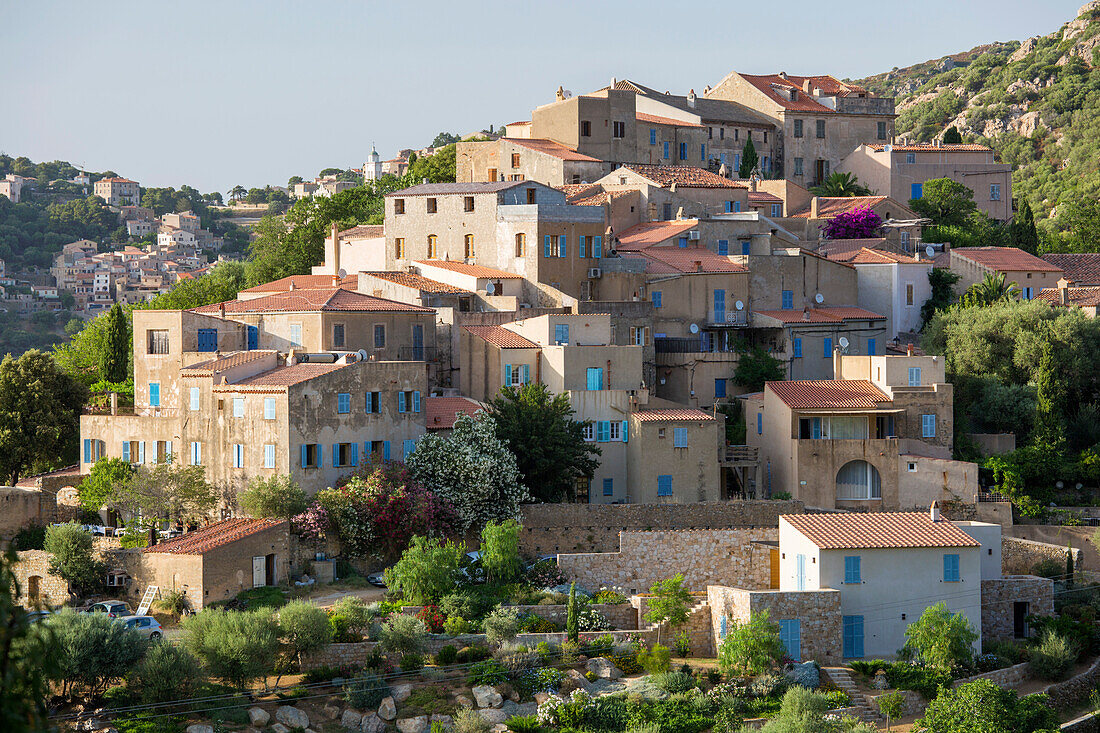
(38, 616)
(114, 609)
(378, 579)
(147, 626)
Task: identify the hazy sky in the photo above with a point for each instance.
(213, 94)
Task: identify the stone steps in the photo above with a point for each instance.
(843, 680)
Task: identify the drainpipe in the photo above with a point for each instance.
(609, 374)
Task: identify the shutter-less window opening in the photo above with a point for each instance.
(338, 335)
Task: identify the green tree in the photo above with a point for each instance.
(104, 483)
(940, 638)
(1023, 232)
(73, 559)
(115, 364)
(755, 366)
(951, 136)
(277, 497)
(303, 628)
(572, 627)
(39, 414)
(992, 289)
(946, 202)
(942, 283)
(166, 673)
(549, 446)
(500, 551)
(840, 185)
(427, 570)
(749, 160)
(983, 706)
(403, 634)
(93, 651)
(445, 138)
(892, 705)
(170, 490)
(235, 646)
(751, 648)
(28, 658)
(669, 604)
(238, 192)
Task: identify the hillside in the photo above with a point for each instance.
(1036, 102)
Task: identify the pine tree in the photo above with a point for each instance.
(571, 621)
(749, 159)
(1022, 229)
(114, 364)
(951, 136)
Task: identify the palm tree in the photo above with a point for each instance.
(993, 289)
(237, 193)
(840, 185)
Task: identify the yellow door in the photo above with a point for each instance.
(775, 568)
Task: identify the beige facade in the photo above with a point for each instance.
(524, 159)
(118, 191)
(669, 195)
(1030, 273)
(902, 235)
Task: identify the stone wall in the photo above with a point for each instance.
(1012, 676)
(1075, 690)
(732, 557)
(36, 585)
(1089, 723)
(1018, 556)
(572, 528)
(621, 616)
(22, 507)
(819, 612)
(998, 596)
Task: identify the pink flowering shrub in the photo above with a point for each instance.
(859, 223)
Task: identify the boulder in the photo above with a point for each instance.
(372, 724)
(388, 709)
(351, 719)
(603, 667)
(493, 715)
(487, 697)
(579, 680)
(200, 729)
(499, 728)
(330, 711)
(292, 717)
(541, 697)
(805, 675)
(463, 701)
(279, 728)
(419, 724)
(258, 717)
(401, 692)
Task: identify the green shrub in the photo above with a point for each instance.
(591, 676)
(1054, 656)
(303, 628)
(868, 668)
(366, 693)
(447, 655)
(403, 634)
(167, 672)
(32, 537)
(235, 646)
(751, 648)
(836, 698)
(1049, 568)
(673, 682)
(469, 721)
(501, 625)
(172, 601)
(730, 714)
(93, 651)
(523, 724)
(411, 662)
(456, 625)
(925, 680)
(487, 672)
(609, 596)
(355, 612)
(475, 653)
(655, 659)
(769, 685)
(601, 646)
(628, 662)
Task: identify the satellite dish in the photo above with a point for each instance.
(343, 273)
(363, 355)
(739, 305)
(819, 298)
(930, 251)
(843, 342)
(490, 288)
(694, 328)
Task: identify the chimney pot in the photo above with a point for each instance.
(909, 349)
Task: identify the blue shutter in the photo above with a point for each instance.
(526, 373)
(407, 448)
(87, 450)
(723, 246)
(608, 487)
(719, 388)
(547, 246)
(682, 242)
(563, 245)
(385, 450)
(852, 569)
(916, 191)
(870, 347)
(719, 306)
(400, 401)
(788, 299)
(664, 486)
(335, 455)
(597, 246)
(416, 401)
(853, 636)
(951, 568)
(746, 246)
(580, 246)
(665, 150)
(141, 452)
(126, 451)
(154, 394)
(355, 454)
(623, 429)
(703, 153)
(507, 375)
(253, 338)
(798, 347)
(828, 344)
(652, 136)
(656, 298)
(759, 423)
(305, 455)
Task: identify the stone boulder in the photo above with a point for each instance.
(487, 697)
(419, 724)
(401, 692)
(279, 728)
(200, 729)
(603, 668)
(463, 701)
(351, 719)
(292, 717)
(330, 711)
(805, 675)
(372, 724)
(388, 709)
(493, 715)
(258, 717)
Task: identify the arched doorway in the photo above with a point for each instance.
(858, 480)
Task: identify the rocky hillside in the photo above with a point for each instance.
(1036, 102)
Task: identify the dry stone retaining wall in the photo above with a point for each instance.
(1075, 690)
(1019, 556)
(819, 612)
(36, 585)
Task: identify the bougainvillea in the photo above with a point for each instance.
(859, 223)
(432, 618)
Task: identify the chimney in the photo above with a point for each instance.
(909, 349)
(691, 98)
(782, 75)
(335, 254)
(813, 207)
(934, 512)
(807, 87)
(698, 265)
(221, 310)
(1063, 293)
(614, 81)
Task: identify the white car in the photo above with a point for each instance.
(147, 626)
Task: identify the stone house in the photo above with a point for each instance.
(118, 191)
(37, 587)
(525, 159)
(362, 248)
(893, 284)
(1030, 273)
(678, 192)
(901, 230)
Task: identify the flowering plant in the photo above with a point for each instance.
(859, 223)
(432, 618)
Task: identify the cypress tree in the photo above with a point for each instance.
(1022, 229)
(951, 136)
(114, 363)
(749, 159)
(572, 629)
(1069, 566)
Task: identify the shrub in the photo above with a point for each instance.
(925, 680)
(456, 625)
(655, 660)
(427, 570)
(1054, 656)
(411, 662)
(432, 618)
(133, 537)
(523, 724)
(469, 721)
(984, 706)
(167, 672)
(402, 634)
(589, 619)
(32, 537)
(464, 604)
(172, 601)
(93, 650)
(366, 693)
(487, 672)
(471, 654)
(673, 682)
(730, 715)
(303, 628)
(1049, 568)
(868, 668)
(237, 647)
(751, 648)
(941, 639)
(609, 596)
(501, 625)
(836, 698)
(892, 705)
(356, 613)
(339, 629)
(545, 574)
(568, 651)
(768, 685)
(601, 646)
(532, 624)
(591, 676)
(546, 679)
(447, 655)
(500, 550)
(683, 644)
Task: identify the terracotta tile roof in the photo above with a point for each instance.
(875, 530)
(521, 122)
(658, 120)
(298, 301)
(284, 376)
(111, 180)
(578, 189)
(1005, 258)
(444, 189)
(828, 207)
(683, 176)
(441, 412)
(763, 197)
(930, 148)
(551, 148)
(501, 337)
(214, 536)
(472, 270)
(1079, 268)
(226, 362)
(424, 284)
(828, 247)
(301, 282)
(824, 394)
(598, 198)
(668, 260)
(668, 415)
(363, 231)
(769, 84)
(868, 256)
(822, 314)
(649, 233)
(1087, 297)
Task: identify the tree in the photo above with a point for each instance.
(859, 223)
(749, 160)
(73, 559)
(237, 193)
(572, 629)
(500, 551)
(103, 484)
(755, 366)
(277, 497)
(166, 673)
(992, 289)
(403, 634)
(751, 648)
(427, 570)
(445, 138)
(293, 181)
(169, 490)
(942, 284)
(93, 650)
(235, 646)
(983, 706)
(39, 414)
(1022, 229)
(303, 628)
(115, 363)
(549, 446)
(840, 185)
(941, 639)
(472, 469)
(946, 202)
(892, 705)
(28, 658)
(951, 136)
(669, 604)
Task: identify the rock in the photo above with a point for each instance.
(499, 728)
(603, 668)
(279, 728)
(258, 717)
(388, 709)
(880, 682)
(578, 679)
(463, 701)
(292, 717)
(419, 724)
(200, 729)
(372, 724)
(805, 675)
(510, 708)
(492, 715)
(487, 697)
(401, 692)
(541, 697)
(444, 720)
(351, 719)
(330, 711)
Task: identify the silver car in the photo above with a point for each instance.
(147, 626)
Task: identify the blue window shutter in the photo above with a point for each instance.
(723, 246)
(526, 373)
(788, 299)
(665, 151)
(703, 152)
(682, 242)
(580, 246)
(401, 402)
(141, 452)
(126, 451)
(759, 423)
(304, 455)
(87, 450)
(737, 207)
(335, 454)
(507, 375)
(385, 450)
(154, 394)
(563, 245)
(416, 401)
(354, 454)
(608, 487)
(916, 191)
(652, 136)
(624, 431)
(547, 246)
(664, 486)
(828, 344)
(597, 246)
(407, 448)
(746, 247)
(870, 347)
(719, 388)
(656, 297)
(798, 347)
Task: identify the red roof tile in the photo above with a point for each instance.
(414, 280)
(284, 376)
(1005, 258)
(598, 198)
(770, 84)
(822, 314)
(667, 260)
(868, 256)
(649, 233)
(472, 270)
(501, 337)
(930, 148)
(1087, 297)
(227, 361)
(363, 231)
(299, 301)
(763, 197)
(441, 412)
(683, 176)
(878, 530)
(214, 536)
(1078, 268)
(669, 415)
(658, 120)
(828, 207)
(301, 282)
(824, 394)
(551, 148)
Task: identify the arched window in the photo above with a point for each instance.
(468, 247)
(433, 247)
(858, 480)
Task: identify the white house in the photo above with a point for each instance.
(893, 284)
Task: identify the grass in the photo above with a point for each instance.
(426, 701)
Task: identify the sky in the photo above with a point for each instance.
(216, 94)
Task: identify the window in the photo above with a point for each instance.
(208, 339)
(858, 480)
(615, 431)
(238, 455)
(521, 245)
(904, 240)
(603, 431)
(618, 129)
(928, 426)
(870, 347)
(827, 344)
(909, 293)
(777, 209)
(597, 247)
(196, 454)
(515, 160)
(914, 376)
(158, 341)
(788, 299)
(408, 401)
(296, 335)
(399, 206)
(154, 394)
(379, 336)
(580, 246)
(759, 423)
(269, 455)
(238, 407)
(916, 190)
(517, 375)
(703, 153)
(399, 248)
(561, 334)
(589, 432)
(194, 398)
(338, 335)
(652, 136)
(682, 242)
(468, 246)
(746, 246)
(269, 408)
(432, 205)
(798, 165)
(586, 128)
(796, 346)
(994, 192)
(594, 378)
(548, 246)
(798, 128)
(433, 247)
(639, 335)
(531, 196)
(852, 569)
(1027, 293)
(343, 403)
(665, 155)
(679, 437)
(608, 487)
(312, 455)
(723, 246)
(468, 201)
(345, 454)
(491, 175)
(910, 158)
(683, 151)
(372, 402)
(951, 568)
(881, 130)
(664, 486)
(911, 467)
(655, 296)
(821, 129)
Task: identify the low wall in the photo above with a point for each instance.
(23, 507)
(818, 610)
(621, 616)
(1089, 723)
(729, 557)
(1019, 556)
(1075, 690)
(572, 528)
(1008, 677)
(1078, 537)
(999, 595)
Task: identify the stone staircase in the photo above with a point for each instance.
(842, 678)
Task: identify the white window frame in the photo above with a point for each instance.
(196, 453)
(269, 455)
(238, 407)
(238, 455)
(590, 433)
(616, 434)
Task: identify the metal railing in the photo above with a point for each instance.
(416, 353)
(728, 317)
(742, 454)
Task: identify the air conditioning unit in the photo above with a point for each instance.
(594, 272)
(693, 236)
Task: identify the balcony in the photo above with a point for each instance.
(728, 318)
(741, 455)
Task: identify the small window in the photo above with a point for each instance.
(852, 574)
(586, 128)
(589, 432)
(821, 129)
(615, 433)
(679, 437)
(914, 376)
(788, 299)
(561, 334)
(994, 192)
(521, 245)
(928, 426)
(777, 209)
(432, 205)
(379, 336)
(759, 423)
(195, 397)
(798, 128)
(338, 335)
(608, 487)
(311, 455)
(343, 403)
(618, 129)
(196, 454)
(269, 408)
(296, 335)
(796, 346)
(433, 247)
(515, 160)
(468, 202)
(951, 569)
(909, 293)
(910, 158)
(158, 341)
(399, 248)
(491, 174)
(154, 394)
(238, 407)
(652, 136)
(798, 166)
(531, 196)
(655, 296)
(911, 467)
(238, 455)
(468, 246)
(269, 456)
(881, 130)
(683, 151)
(664, 486)
(372, 403)
(664, 151)
(399, 206)
(208, 339)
